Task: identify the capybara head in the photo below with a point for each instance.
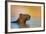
(22, 19)
(25, 16)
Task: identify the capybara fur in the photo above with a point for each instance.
(22, 20)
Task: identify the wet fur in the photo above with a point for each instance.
(22, 20)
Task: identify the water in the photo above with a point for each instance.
(32, 23)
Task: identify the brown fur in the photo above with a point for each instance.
(22, 20)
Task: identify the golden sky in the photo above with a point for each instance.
(32, 10)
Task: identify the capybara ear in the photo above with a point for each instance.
(20, 15)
